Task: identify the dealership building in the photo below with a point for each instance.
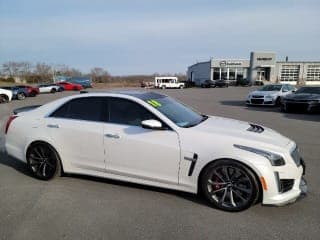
(262, 66)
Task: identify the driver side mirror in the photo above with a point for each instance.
(152, 124)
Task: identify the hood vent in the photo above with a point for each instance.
(255, 128)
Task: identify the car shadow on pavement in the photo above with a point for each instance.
(22, 168)
(195, 198)
(14, 163)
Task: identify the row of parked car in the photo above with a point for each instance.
(20, 92)
(287, 97)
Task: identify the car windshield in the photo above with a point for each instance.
(271, 88)
(314, 90)
(177, 112)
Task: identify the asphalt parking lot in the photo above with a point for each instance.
(77, 207)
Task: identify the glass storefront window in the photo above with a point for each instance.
(232, 74)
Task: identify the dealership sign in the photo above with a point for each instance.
(228, 63)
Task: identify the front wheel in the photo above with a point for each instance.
(43, 161)
(21, 96)
(229, 185)
(4, 99)
(163, 87)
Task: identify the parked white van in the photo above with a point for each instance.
(167, 82)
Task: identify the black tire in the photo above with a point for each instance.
(278, 102)
(43, 161)
(33, 94)
(283, 108)
(181, 87)
(21, 96)
(53, 90)
(4, 98)
(163, 87)
(229, 185)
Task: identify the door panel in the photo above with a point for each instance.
(79, 142)
(142, 153)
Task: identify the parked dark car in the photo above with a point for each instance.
(221, 83)
(304, 99)
(19, 93)
(243, 82)
(208, 84)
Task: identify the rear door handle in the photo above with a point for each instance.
(109, 135)
(53, 126)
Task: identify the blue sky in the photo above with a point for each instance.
(148, 36)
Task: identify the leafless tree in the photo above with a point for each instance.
(43, 71)
(99, 74)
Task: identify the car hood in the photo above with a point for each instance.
(264, 93)
(303, 96)
(239, 132)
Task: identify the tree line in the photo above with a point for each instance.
(42, 72)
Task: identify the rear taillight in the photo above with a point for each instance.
(11, 118)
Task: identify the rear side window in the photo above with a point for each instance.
(122, 111)
(89, 108)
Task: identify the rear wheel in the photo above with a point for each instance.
(21, 96)
(33, 94)
(229, 185)
(53, 90)
(43, 161)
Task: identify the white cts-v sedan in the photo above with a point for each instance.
(149, 138)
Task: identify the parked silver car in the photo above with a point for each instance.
(269, 94)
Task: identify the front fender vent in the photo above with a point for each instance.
(255, 128)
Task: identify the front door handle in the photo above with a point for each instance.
(53, 126)
(109, 135)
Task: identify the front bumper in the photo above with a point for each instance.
(261, 101)
(301, 106)
(278, 197)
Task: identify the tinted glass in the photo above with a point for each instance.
(122, 111)
(314, 90)
(271, 88)
(89, 108)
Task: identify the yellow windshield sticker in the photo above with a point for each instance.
(154, 103)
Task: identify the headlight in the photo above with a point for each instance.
(275, 159)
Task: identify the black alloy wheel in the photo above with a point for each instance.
(43, 161)
(230, 186)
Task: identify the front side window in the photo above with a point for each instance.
(123, 111)
(88, 108)
(176, 112)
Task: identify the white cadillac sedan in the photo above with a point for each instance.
(149, 138)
